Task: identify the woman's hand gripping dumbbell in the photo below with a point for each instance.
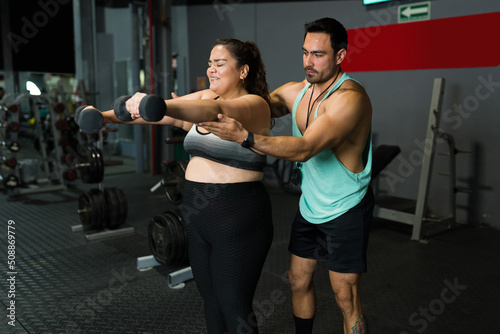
(151, 108)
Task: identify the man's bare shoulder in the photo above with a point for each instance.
(295, 86)
(290, 90)
(351, 85)
(349, 96)
(350, 89)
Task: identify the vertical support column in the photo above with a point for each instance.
(427, 160)
(160, 69)
(164, 56)
(11, 84)
(85, 45)
(134, 73)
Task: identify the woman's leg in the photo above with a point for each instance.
(236, 227)
(240, 246)
(200, 251)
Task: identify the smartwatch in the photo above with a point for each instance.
(248, 142)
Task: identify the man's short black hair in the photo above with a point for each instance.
(337, 32)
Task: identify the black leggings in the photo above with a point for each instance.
(229, 230)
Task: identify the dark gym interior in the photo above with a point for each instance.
(82, 214)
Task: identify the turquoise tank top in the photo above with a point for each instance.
(329, 189)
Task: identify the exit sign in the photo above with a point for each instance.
(414, 12)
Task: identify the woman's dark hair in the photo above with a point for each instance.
(248, 53)
(337, 32)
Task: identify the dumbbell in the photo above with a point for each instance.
(152, 108)
(89, 120)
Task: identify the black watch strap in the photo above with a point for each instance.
(248, 142)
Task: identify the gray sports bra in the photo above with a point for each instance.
(209, 146)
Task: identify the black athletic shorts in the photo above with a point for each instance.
(343, 240)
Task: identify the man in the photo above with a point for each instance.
(331, 140)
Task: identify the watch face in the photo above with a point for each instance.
(247, 143)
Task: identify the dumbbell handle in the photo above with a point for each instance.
(169, 183)
(85, 164)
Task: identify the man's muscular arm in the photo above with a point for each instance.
(282, 98)
(278, 105)
(329, 130)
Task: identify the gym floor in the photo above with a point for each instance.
(66, 284)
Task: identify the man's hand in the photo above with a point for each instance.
(226, 128)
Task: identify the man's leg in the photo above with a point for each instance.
(346, 287)
(300, 276)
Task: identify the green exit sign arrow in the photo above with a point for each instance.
(414, 12)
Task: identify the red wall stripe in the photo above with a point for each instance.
(465, 41)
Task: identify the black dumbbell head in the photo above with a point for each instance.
(152, 108)
(90, 120)
(78, 111)
(121, 110)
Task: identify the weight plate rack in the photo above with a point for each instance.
(9, 144)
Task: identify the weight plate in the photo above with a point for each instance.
(113, 208)
(99, 172)
(92, 170)
(62, 125)
(117, 207)
(160, 239)
(173, 180)
(13, 108)
(179, 246)
(59, 108)
(181, 226)
(181, 236)
(123, 204)
(70, 175)
(94, 165)
(92, 209)
(103, 208)
(175, 239)
(69, 159)
(85, 171)
(13, 127)
(86, 210)
(11, 162)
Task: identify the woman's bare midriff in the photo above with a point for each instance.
(208, 171)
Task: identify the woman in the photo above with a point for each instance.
(226, 210)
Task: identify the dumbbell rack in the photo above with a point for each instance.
(8, 128)
(104, 233)
(53, 180)
(67, 131)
